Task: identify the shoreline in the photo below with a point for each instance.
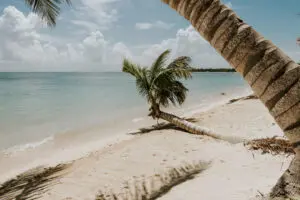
(72, 154)
(80, 112)
(119, 160)
(188, 111)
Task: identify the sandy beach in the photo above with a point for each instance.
(232, 172)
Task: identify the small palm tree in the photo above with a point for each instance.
(160, 85)
(48, 10)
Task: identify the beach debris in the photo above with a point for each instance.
(272, 145)
(155, 186)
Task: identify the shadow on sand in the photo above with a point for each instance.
(31, 184)
(156, 186)
(162, 126)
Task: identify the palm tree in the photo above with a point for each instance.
(160, 85)
(48, 10)
(273, 76)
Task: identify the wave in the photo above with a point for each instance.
(24, 147)
(135, 120)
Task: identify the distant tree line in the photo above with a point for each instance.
(193, 69)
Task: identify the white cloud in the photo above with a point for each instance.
(122, 50)
(90, 26)
(95, 14)
(18, 33)
(157, 24)
(143, 26)
(94, 47)
(22, 42)
(189, 43)
(23, 45)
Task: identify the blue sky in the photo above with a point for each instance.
(95, 35)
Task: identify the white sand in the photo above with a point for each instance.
(235, 172)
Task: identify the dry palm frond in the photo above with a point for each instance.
(272, 145)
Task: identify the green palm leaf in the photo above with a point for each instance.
(160, 83)
(158, 64)
(141, 75)
(174, 93)
(180, 67)
(48, 10)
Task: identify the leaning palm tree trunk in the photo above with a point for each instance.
(198, 130)
(187, 126)
(273, 76)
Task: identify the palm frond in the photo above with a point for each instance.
(181, 67)
(143, 85)
(160, 83)
(131, 68)
(141, 75)
(158, 64)
(174, 93)
(180, 92)
(166, 85)
(48, 10)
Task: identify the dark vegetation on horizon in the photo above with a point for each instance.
(194, 69)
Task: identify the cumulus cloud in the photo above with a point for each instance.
(22, 44)
(95, 14)
(90, 26)
(19, 37)
(157, 24)
(186, 42)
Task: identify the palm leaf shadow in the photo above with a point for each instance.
(162, 126)
(31, 184)
(156, 186)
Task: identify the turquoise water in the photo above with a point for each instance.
(34, 106)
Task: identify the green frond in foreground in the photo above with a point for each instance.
(160, 83)
(48, 10)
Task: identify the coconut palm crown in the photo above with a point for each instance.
(160, 84)
(48, 10)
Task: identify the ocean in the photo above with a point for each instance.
(37, 108)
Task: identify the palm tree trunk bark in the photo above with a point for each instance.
(273, 76)
(188, 126)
